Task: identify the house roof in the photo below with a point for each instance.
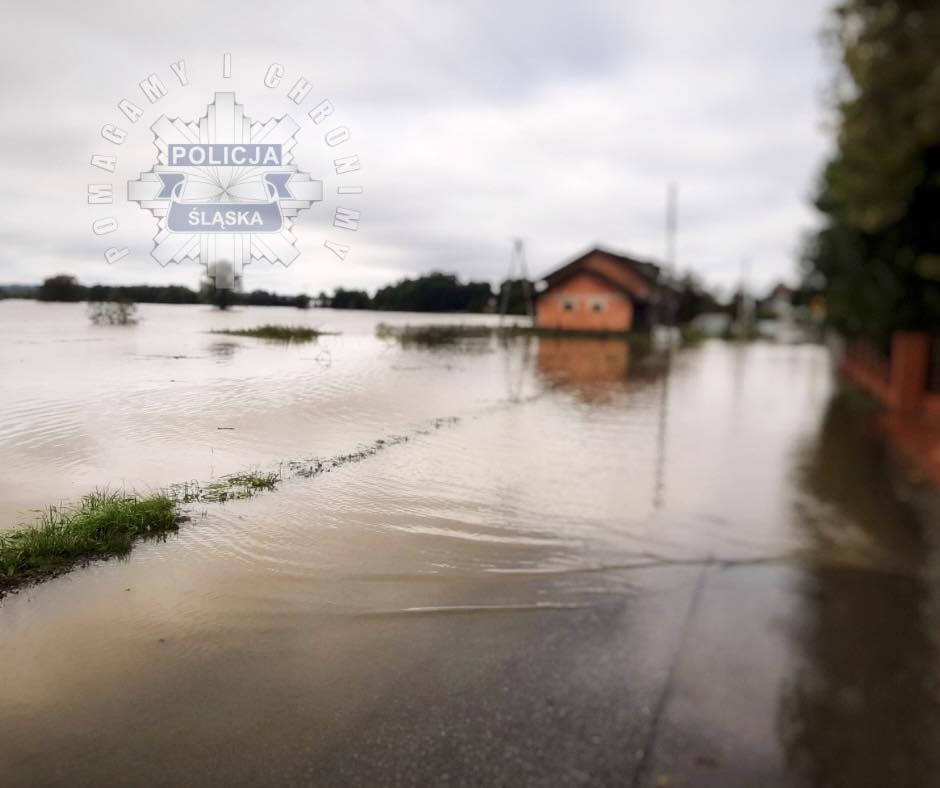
(635, 278)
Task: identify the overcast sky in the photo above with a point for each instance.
(475, 122)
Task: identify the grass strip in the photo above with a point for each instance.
(235, 487)
(274, 332)
(101, 525)
(433, 335)
(106, 524)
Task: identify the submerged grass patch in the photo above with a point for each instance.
(235, 487)
(433, 335)
(106, 524)
(277, 333)
(102, 524)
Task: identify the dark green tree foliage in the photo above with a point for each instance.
(144, 294)
(220, 297)
(19, 291)
(517, 297)
(435, 292)
(264, 298)
(61, 288)
(67, 288)
(878, 254)
(350, 299)
(692, 298)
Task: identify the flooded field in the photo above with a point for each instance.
(565, 562)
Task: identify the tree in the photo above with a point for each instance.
(878, 253)
(434, 292)
(61, 288)
(112, 313)
(350, 299)
(222, 298)
(692, 298)
(520, 297)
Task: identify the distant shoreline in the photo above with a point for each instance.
(431, 293)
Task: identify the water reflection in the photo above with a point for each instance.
(518, 353)
(863, 707)
(223, 351)
(594, 369)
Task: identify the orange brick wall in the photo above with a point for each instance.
(583, 291)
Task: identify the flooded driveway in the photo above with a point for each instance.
(570, 562)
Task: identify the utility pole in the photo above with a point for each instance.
(517, 269)
(669, 264)
(744, 304)
(672, 226)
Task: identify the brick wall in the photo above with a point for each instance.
(584, 303)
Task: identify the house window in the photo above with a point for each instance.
(597, 305)
(567, 304)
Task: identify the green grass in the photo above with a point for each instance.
(432, 334)
(448, 334)
(692, 335)
(228, 488)
(105, 524)
(102, 524)
(278, 333)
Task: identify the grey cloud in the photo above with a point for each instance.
(476, 122)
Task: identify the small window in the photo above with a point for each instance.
(568, 304)
(597, 305)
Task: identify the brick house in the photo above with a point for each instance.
(602, 291)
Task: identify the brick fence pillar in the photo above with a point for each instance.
(910, 355)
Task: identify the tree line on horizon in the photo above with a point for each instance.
(66, 288)
(434, 292)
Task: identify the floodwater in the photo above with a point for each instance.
(571, 562)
